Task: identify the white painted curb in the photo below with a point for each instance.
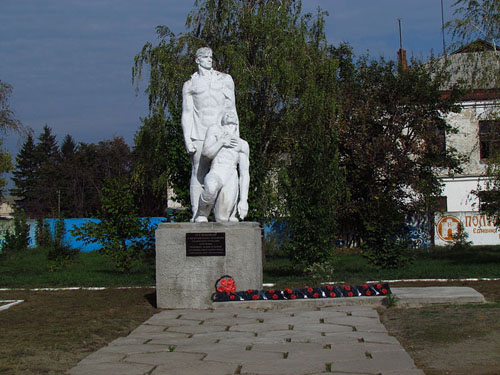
(10, 303)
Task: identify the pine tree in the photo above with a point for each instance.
(47, 187)
(25, 174)
(69, 171)
(37, 175)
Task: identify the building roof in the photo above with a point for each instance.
(476, 67)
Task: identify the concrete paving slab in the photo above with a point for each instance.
(209, 348)
(261, 327)
(299, 341)
(283, 367)
(404, 372)
(192, 329)
(337, 353)
(129, 340)
(232, 321)
(148, 335)
(303, 303)
(218, 336)
(110, 368)
(297, 336)
(371, 337)
(323, 328)
(147, 329)
(160, 340)
(288, 347)
(163, 315)
(164, 358)
(134, 349)
(176, 323)
(298, 320)
(437, 295)
(197, 368)
(236, 355)
(352, 320)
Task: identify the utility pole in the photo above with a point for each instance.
(400, 35)
(58, 203)
(442, 28)
(403, 64)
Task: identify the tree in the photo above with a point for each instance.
(489, 197)
(269, 48)
(481, 19)
(48, 176)
(124, 237)
(67, 182)
(476, 31)
(152, 154)
(7, 123)
(25, 174)
(17, 240)
(7, 120)
(36, 175)
(390, 149)
(313, 186)
(84, 168)
(476, 18)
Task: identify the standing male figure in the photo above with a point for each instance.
(221, 185)
(205, 97)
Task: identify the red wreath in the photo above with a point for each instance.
(225, 284)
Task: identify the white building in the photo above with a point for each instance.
(478, 138)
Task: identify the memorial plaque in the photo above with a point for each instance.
(205, 244)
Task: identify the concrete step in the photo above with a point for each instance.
(407, 297)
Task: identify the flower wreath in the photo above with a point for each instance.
(225, 290)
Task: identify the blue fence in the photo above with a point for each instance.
(70, 224)
(419, 232)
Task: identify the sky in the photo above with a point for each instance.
(70, 61)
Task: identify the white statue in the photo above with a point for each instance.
(205, 97)
(221, 186)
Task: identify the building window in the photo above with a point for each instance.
(489, 139)
(443, 204)
(441, 137)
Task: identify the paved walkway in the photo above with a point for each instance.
(337, 340)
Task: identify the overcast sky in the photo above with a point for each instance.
(70, 61)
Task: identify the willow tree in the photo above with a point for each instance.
(481, 64)
(7, 123)
(285, 77)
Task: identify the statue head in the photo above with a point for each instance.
(204, 57)
(229, 118)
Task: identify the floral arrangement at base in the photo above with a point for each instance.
(225, 290)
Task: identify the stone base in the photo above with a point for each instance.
(189, 281)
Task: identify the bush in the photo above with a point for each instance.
(460, 240)
(125, 238)
(43, 233)
(59, 253)
(386, 252)
(322, 271)
(18, 239)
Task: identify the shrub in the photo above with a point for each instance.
(59, 253)
(125, 238)
(18, 239)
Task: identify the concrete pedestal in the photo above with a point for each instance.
(188, 281)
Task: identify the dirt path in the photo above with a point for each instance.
(451, 340)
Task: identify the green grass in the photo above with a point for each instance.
(433, 263)
(31, 269)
